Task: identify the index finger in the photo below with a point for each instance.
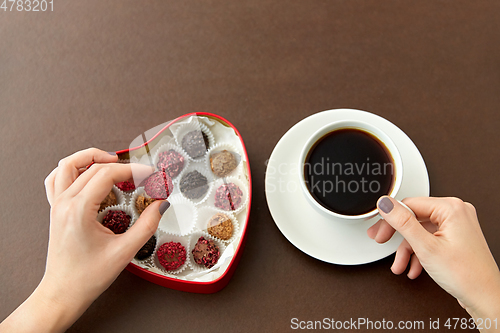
(431, 208)
(68, 168)
(94, 187)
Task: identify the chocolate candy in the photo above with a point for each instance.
(206, 252)
(147, 250)
(125, 186)
(193, 185)
(159, 185)
(109, 201)
(116, 221)
(142, 202)
(171, 255)
(171, 162)
(195, 143)
(222, 163)
(220, 226)
(228, 197)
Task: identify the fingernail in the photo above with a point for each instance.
(164, 206)
(385, 205)
(112, 153)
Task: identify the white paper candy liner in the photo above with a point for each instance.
(123, 207)
(194, 125)
(138, 192)
(120, 197)
(193, 240)
(201, 169)
(180, 217)
(243, 187)
(233, 150)
(167, 138)
(148, 262)
(168, 147)
(166, 238)
(204, 216)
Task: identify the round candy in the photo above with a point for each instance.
(171, 162)
(171, 255)
(147, 250)
(116, 221)
(206, 252)
(193, 185)
(159, 185)
(195, 143)
(220, 226)
(142, 202)
(125, 186)
(109, 201)
(222, 163)
(228, 197)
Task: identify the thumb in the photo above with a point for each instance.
(403, 221)
(145, 226)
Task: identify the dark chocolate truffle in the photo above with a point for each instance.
(220, 226)
(195, 143)
(159, 185)
(228, 197)
(206, 252)
(116, 221)
(125, 186)
(193, 185)
(171, 255)
(142, 202)
(222, 163)
(147, 250)
(109, 201)
(171, 162)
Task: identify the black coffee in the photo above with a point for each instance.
(347, 171)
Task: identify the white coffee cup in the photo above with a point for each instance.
(358, 125)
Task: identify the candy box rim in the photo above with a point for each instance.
(223, 280)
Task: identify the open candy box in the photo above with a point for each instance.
(202, 166)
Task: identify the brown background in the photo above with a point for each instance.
(99, 73)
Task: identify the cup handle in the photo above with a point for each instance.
(409, 209)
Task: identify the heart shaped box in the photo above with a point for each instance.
(183, 285)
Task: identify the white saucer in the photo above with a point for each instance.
(318, 236)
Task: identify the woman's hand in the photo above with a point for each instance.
(84, 257)
(448, 244)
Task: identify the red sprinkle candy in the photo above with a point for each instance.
(125, 186)
(171, 255)
(159, 185)
(116, 221)
(171, 162)
(228, 197)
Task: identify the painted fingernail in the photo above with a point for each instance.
(112, 153)
(385, 205)
(164, 206)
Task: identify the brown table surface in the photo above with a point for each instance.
(99, 73)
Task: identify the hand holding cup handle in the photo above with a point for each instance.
(443, 236)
